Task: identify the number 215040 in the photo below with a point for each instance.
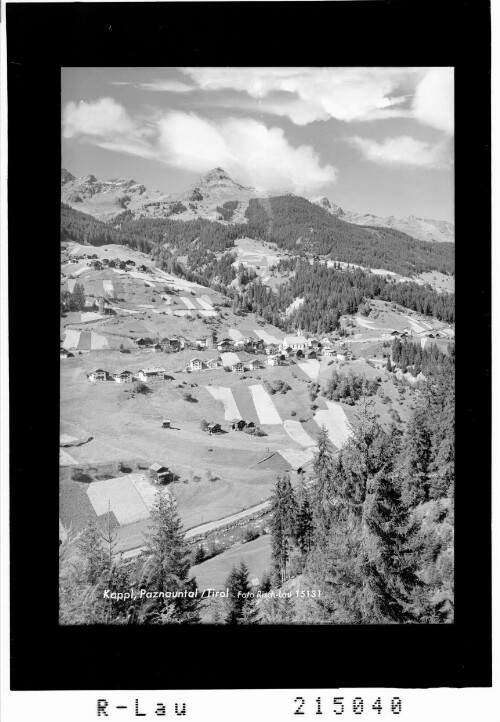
(341, 705)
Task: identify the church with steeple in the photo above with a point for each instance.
(298, 342)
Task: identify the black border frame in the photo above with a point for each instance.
(42, 38)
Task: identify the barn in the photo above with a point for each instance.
(160, 474)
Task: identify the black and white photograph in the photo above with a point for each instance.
(256, 484)
(257, 356)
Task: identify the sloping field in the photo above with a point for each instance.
(207, 299)
(266, 410)
(311, 368)
(80, 270)
(415, 326)
(256, 554)
(85, 342)
(146, 489)
(71, 338)
(336, 423)
(229, 358)
(75, 509)
(245, 403)
(98, 342)
(235, 334)
(187, 302)
(208, 314)
(296, 431)
(65, 459)
(221, 393)
(121, 496)
(297, 457)
(90, 316)
(266, 337)
(66, 439)
(204, 304)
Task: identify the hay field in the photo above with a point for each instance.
(235, 334)
(256, 554)
(229, 358)
(224, 394)
(336, 423)
(266, 337)
(188, 303)
(65, 459)
(121, 497)
(264, 406)
(297, 433)
(311, 367)
(205, 304)
(298, 457)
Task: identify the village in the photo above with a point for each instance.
(163, 385)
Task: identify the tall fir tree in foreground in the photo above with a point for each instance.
(364, 565)
(304, 526)
(167, 564)
(240, 604)
(283, 526)
(323, 488)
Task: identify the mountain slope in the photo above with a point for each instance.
(424, 229)
(106, 200)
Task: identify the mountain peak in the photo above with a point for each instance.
(327, 204)
(66, 176)
(218, 178)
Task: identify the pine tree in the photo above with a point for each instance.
(283, 525)
(304, 527)
(417, 458)
(278, 610)
(168, 561)
(77, 298)
(240, 602)
(323, 472)
(91, 551)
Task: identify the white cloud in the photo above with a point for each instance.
(403, 150)
(433, 103)
(100, 118)
(158, 85)
(309, 94)
(167, 86)
(255, 154)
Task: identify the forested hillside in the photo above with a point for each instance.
(299, 225)
(329, 293)
(291, 222)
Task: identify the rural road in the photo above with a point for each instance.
(207, 527)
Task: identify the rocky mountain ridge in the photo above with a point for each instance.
(105, 200)
(425, 229)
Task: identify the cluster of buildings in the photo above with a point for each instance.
(98, 264)
(239, 367)
(154, 373)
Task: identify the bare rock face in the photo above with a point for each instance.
(66, 176)
(328, 205)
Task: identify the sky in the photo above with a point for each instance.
(372, 140)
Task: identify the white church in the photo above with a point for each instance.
(296, 343)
